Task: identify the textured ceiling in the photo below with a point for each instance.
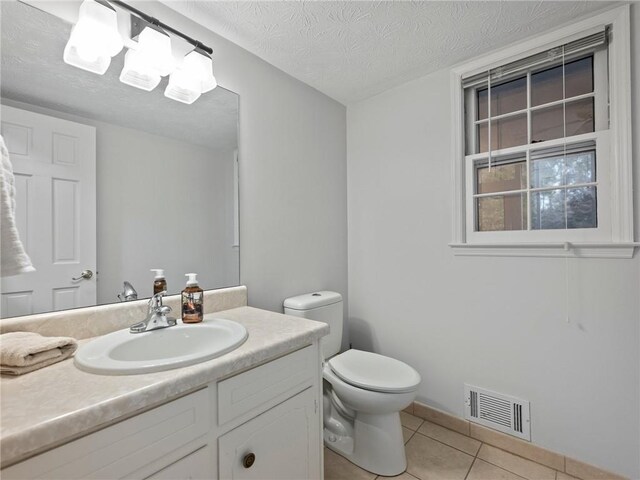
(33, 72)
(351, 50)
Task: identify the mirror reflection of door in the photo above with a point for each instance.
(166, 172)
(54, 163)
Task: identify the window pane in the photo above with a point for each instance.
(507, 132)
(482, 96)
(546, 123)
(582, 208)
(578, 77)
(502, 212)
(546, 86)
(554, 172)
(580, 118)
(581, 168)
(501, 178)
(547, 172)
(548, 209)
(505, 98)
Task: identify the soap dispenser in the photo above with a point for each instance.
(159, 282)
(192, 300)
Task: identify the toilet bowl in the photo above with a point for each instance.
(363, 392)
(375, 395)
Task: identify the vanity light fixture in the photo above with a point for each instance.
(95, 38)
(149, 60)
(193, 78)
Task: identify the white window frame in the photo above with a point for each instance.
(614, 236)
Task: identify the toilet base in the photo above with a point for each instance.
(377, 444)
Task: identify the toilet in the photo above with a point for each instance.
(363, 392)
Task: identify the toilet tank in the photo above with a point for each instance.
(322, 307)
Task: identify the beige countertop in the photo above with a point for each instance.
(48, 407)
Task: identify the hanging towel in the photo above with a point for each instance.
(13, 258)
(23, 352)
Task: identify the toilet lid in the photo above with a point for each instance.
(374, 372)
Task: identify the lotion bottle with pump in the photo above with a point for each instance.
(159, 282)
(192, 300)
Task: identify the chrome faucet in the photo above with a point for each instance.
(156, 316)
(128, 293)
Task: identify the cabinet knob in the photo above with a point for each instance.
(248, 460)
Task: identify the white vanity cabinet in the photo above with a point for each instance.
(269, 414)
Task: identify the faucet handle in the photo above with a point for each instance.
(155, 302)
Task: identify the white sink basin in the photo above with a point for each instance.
(125, 353)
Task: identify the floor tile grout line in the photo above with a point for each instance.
(474, 456)
(408, 439)
(409, 428)
(349, 461)
(446, 444)
(510, 471)
(521, 457)
(508, 451)
(470, 467)
(564, 458)
(416, 429)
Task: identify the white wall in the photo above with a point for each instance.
(292, 150)
(190, 190)
(494, 322)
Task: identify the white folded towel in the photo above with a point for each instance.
(23, 352)
(13, 257)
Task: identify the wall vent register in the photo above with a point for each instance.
(501, 412)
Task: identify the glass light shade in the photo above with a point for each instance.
(204, 65)
(194, 77)
(137, 73)
(94, 39)
(151, 58)
(183, 87)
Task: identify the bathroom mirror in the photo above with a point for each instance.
(111, 181)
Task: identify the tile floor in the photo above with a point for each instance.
(437, 453)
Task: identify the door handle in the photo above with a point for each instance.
(86, 274)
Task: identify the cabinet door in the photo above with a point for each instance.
(284, 443)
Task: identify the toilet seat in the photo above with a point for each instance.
(374, 372)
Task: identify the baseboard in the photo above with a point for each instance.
(557, 461)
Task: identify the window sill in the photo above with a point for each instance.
(571, 250)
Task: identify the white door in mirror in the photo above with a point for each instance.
(54, 163)
(125, 353)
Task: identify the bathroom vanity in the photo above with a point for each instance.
(252, 413)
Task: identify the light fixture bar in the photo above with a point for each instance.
(164, 26)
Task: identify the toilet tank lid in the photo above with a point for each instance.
(312, 300)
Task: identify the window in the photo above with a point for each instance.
(538, 162)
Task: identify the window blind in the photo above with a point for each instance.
(547, 57)
(563, 150)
